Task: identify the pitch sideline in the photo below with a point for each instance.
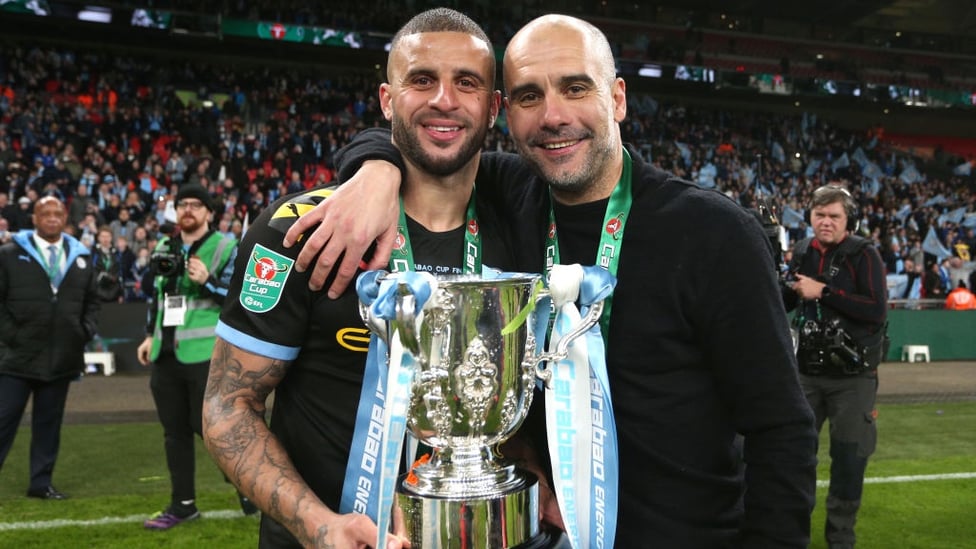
(911, 478)
(60, 523)
(229, 514)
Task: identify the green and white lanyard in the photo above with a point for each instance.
(579, 410)
(401, 258)
(611, 239)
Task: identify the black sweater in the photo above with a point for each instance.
(698, 353)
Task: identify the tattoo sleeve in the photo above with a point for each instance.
(238, 438)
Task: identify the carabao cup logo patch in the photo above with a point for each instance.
(264, 279)
(614, 226)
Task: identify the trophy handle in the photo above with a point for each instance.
(562, 346)
(406, 319)
(376, 325)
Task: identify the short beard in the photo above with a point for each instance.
(413, 151)
(194, 227)
(575, 182)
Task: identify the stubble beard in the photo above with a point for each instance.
(412, 150)
(567, 180)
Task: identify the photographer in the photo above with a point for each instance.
(191, 270)
(108, 267)
(838, 282)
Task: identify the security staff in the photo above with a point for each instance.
(191, 273)
(838, 285)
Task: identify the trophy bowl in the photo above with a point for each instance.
(477, 361)
(477, 369)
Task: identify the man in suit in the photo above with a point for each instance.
(48, 312)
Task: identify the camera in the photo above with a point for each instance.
(107, 287)
(825, 348)
(167, 263)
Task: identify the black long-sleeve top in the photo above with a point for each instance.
(698, 353)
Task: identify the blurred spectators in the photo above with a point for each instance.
(116, 135)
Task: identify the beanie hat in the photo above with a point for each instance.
(195, 190)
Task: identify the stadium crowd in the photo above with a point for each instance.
(115, 136)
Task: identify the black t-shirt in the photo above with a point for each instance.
(270, 311)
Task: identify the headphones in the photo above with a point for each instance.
(828, 194)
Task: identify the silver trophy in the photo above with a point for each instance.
(477, 364)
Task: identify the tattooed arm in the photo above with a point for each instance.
(255, 461)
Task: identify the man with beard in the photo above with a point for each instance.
(281, 336)
(191, 271)
(716, 442)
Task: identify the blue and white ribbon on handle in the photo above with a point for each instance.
(402, 369)
(362, 478)
(372, 470)
(579, 413)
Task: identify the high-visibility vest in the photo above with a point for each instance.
(194, 340)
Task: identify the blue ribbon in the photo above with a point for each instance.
(371, 470)
(597, 285)
(363, 468)
(597, 480)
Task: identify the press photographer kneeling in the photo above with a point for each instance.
(836, 282)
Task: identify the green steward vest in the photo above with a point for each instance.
(194, 340)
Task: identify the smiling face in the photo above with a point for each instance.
(439, 99)
(564, 106)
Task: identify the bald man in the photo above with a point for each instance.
(48, 312)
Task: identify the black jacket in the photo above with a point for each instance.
(858, 291)
(43, 333)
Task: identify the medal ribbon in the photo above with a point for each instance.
(580, 421)
(401, 258)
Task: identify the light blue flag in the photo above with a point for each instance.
(897, 284)
(706, 176)
(791, 218)
(778, 153)
(904, 212)
(910, 174)
(955, 216)
(871, 171)
(842, 162)
(812, 167)
(685, 152)
(932, 245)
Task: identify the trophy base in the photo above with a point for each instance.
(506, 521)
